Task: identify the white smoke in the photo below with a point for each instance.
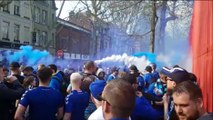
(140, 62)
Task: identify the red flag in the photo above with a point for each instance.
(201, 41)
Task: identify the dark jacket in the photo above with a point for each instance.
(7, 98)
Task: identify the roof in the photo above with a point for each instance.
(69, 24)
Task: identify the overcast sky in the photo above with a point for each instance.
(68, 6)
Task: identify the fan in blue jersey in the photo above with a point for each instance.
(44, 102)
(77, 100)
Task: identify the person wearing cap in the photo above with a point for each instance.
(100, 74)
(113, 75)
(77, 100)
(174, 77)
(15, 71)
(8, 95)
(118, 100)
(96, 89)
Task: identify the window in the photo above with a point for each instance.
(53, 20)
(16, 10)
(26, 34)
(5, 30)
(44, 17)
(44, 38)
(6, 8)
(16, 32)
(26, 10)
(52, 40)
(38, 37)
(37, 15)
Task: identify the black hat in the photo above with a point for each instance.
(15, 65)
(176, 74)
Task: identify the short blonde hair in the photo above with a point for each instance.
(75, 77)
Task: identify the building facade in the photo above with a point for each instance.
(100, 38)
(73, 40)
(28, 23)
(44, 25)
(15, 24)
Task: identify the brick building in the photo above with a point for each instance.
(74, 40)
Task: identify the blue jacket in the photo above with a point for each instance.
(143, 110)
(56, 81)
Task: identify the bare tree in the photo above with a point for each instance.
(170, 11)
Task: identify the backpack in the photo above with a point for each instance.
(63, 85)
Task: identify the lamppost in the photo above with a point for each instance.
(4, 2)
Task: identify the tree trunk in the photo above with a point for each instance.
(152, 25)
(163, 22)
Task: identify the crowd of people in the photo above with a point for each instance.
(48, 93)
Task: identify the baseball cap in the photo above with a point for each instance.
(99, 71)
(96, 88)
(15, 65)
(176, 74)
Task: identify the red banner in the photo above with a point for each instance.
(201, 40)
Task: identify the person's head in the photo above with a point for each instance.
(175, 76)
(75, 80)
(6, 71)
(188, 101)
(153, 66)
(90, 67)
(29, 82)
(44, 75)
(100, 74)
(14, 67)
(115, 71)
(96, 89)
(122, 74)
(53, 67)
(148, 69)
(133, 69)
(132, 79)
(28, 71)
(41, 66)
(162, 77)
(118, 99)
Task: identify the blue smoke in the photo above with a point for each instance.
(28, 56)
